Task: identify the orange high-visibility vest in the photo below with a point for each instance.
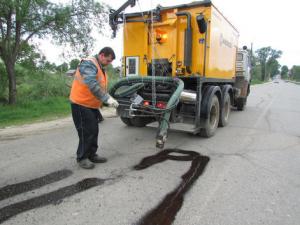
(80, 92)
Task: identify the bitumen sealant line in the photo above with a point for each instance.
(163, 214)
(15, 189)
(54, 197)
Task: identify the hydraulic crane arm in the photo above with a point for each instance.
(116, 16)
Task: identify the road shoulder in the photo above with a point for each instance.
(21, 130)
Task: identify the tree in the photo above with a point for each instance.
(74, 63)
(295, 73)
(284, 71)
(45, 65)
(3, 82)
(255, 67)
(272, 68)
(28, 57)
(268, 61)
(22, 20)
(263, 54)
(272, 63)
(62, 68)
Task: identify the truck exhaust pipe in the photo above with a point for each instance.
(188, 96)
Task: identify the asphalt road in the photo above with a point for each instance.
(252, 177)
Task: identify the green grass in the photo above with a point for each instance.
(296, 80)
(33, 111)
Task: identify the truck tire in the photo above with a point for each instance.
(126, 121)
(212, 121)
(225, 110)
(140, 121)
(241, 103)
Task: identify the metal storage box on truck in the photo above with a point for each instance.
(221, 42)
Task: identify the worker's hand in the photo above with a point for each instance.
(112, 102)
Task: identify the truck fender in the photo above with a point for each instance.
(226, 88)
(207, 96)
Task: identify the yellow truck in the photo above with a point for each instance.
(182, 68)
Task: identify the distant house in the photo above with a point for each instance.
(70, 73)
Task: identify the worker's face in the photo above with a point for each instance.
(105, 60)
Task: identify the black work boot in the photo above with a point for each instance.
(100, 117)
(97, 159)
(86, 164)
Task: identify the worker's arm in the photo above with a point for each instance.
(88, 72)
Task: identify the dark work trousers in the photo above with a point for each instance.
(86, 123)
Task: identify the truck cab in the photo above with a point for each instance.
(243, 64)
(243, 78)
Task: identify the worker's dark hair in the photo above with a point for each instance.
(107, 51)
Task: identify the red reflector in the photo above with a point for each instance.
(146, 103)
(161, 105)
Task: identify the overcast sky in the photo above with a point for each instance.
(264, 23)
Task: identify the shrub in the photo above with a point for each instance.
(43, 85)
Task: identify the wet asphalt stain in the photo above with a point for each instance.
(54, 197)
(11, 138)
(15, 189)
(165, 212)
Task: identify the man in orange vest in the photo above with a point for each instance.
(88, 93)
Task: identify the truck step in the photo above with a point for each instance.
(177, 126)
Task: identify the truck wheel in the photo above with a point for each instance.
(211, 123)
(241, 103)
(139, 121)
(126, 121)
(225, 111)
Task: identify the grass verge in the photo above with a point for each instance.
(33, 111)
(295, 81)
